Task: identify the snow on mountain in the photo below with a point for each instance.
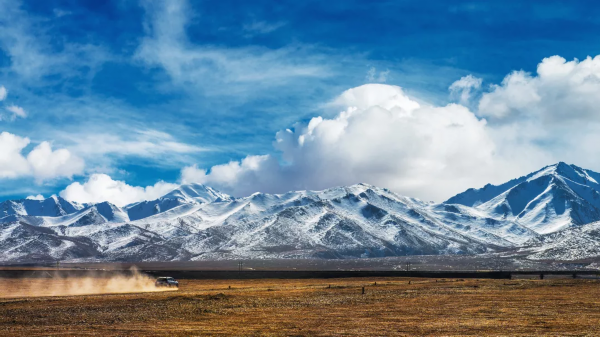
(184, 194)
(554, 198)
(545, 212)
(20, 241)
(355, 221)
(571, 244)
(53, 206)
(96, 214)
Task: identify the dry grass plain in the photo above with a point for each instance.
(311, 308)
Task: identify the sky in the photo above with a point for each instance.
(123, 100)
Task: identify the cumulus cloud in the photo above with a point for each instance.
(12, 162)
(554, 111)
(514, 95)
(386, 138)
(382, 137)
(251, 174)
(101, 187)
(46, 163)
(561, 91)
(3, 93)
(462, 90)
(193, 174)
(42, 162)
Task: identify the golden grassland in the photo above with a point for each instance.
(390, 306)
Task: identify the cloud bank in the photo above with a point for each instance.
(384, 137)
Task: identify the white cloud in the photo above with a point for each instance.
(3, 93)
(383, 137)
(36, 197)
(515, 94)
(554, 111)
(16, 111)
(192, 174)
(42, 162)
(386, 138)
(12, 162)
(47, 164)
(101, 187)
(385, 96)
(461, 90)
(561, 91)
(251, 174)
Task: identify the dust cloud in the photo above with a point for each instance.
(52, 284)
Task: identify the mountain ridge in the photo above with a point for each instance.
(553, 198)
(194, 222)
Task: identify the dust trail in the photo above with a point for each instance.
(53, 285)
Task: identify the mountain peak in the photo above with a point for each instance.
(555, 197)
(185, 194)
(567, 171)
(51, 206)
(111, 212)
(196, 192)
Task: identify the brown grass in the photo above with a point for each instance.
(309, 307)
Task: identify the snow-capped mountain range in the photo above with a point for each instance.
(550, 214)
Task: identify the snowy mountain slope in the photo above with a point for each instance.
(354, 221)
(570, 244)
(554, 198)
(545, 212)
(20, 241)
(53, 206)
(185, 194)
(474, 197)
(96, 214)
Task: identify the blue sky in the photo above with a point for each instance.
(139, 90)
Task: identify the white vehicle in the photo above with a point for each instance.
(166, 282)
